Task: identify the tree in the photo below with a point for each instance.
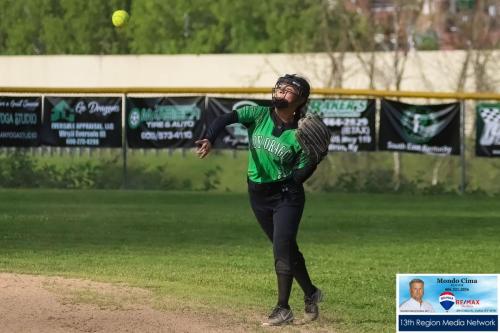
(20, 26)
(82, 27)
(60, 27)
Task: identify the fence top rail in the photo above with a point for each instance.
(252, 90)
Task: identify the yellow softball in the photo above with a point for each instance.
(119, 18)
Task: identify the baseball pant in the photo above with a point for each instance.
(278, 208)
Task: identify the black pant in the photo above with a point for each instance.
(278, 208)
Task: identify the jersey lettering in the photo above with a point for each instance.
(273, 158)
(270, 145)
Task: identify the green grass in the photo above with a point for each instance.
(207, 250)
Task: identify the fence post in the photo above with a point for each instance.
(124, 141)
(463, 174)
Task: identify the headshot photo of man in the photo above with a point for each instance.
(416, 302)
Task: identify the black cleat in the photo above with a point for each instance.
(311, 311)
(279, 316)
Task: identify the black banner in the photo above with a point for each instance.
(20, 120)
(82, 122)
(234, 135)
(423, 129)
(488, 130)
(164, 122)
(351, 122)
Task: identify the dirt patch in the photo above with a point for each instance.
(31, 303)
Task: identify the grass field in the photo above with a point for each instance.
(206, 251)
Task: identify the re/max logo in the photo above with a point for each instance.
(467, 302)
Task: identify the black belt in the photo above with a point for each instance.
(278, 186)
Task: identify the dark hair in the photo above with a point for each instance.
(300, 83)
(303, 88)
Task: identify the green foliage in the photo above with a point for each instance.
(381, 181)
(224, 171)
(175, 26)
(20, 26)
(212, 181)
(60, 27)
(86, 26)
(157, 178)
(17, 170)
(21, 168)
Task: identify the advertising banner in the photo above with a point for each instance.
(234, 135)
(488, 130)
(447, 302)
(20, 121)
(164, 122)
(82, 122)
(423, 129)
(351, 122)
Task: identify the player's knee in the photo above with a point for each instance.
(283, 267)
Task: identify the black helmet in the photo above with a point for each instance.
(300, 83)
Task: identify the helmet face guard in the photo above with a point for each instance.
(298, 83)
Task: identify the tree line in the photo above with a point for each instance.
(35, 27)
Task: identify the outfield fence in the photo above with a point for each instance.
(362, 122)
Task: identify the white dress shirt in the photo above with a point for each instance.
(412, 305)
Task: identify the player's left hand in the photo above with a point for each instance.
(204, 147)
(313, 136)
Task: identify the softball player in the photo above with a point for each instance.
(277, 167)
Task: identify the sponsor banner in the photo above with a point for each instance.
(423, 129)
(440, 323)
(488, 130)
(20, 121)
(447, 302)
(351, 122)
(234, 135)
(164, 122)
(82, 122)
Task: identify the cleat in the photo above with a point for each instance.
(279, 316)
(311, 310)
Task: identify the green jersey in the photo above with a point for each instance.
(271, 158)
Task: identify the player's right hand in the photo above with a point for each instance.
(204, 147)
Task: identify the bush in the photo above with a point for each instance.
(20, 169)
(212, 180)
(377, 181)
(17, 170)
